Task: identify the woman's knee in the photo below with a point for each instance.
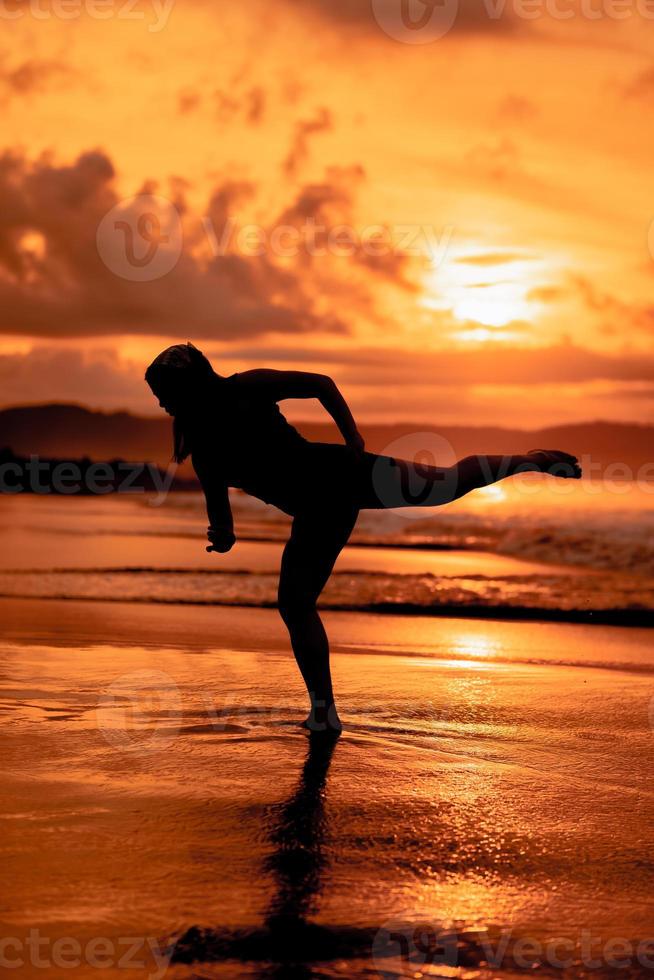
(296, 607)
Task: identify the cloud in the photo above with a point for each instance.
(499, 161)
(516, 108)
(641, 87)
(358, 16)
(546, 294)
(395, 382)
(256, 105)
(65, 375)
(492, 258)
(247, 106)
(304, 130)
(325, 212)
(30, 77)
(63, 287)
(514, 366)
(618, 312)
(59, 279)
(188, 100)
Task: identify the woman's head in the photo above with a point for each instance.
(177, 375)
(179, 378)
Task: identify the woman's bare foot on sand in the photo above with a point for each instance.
(323, 720)
(555, 463)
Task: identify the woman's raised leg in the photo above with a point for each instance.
(314, 545)
(402, 483)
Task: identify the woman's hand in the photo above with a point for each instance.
(356, 443)
(222, 539)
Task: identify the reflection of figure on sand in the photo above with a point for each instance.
(297, 861)
(289, 941)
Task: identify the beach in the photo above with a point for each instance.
(152, 789)
(487, 811)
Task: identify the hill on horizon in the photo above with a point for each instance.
(72, 430)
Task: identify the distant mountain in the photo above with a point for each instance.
(73, 431)
(83, 476)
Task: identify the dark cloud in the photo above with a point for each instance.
(53, 281)
(562, 364)
(188, 100)
(255, 105)
(248, 106)
(304, 130)
(30, 77)
(70, 251)
(326, 211)
(492, 258)
(641, 87)
(65, 375)
(516, 108)
(101, 378)
(358, 16)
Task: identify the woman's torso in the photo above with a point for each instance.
(257, 450)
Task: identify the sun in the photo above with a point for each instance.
(493, 305)
(492, 291)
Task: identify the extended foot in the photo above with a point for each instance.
(322, 720)
(555, 463)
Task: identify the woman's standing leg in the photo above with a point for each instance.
(314, 545)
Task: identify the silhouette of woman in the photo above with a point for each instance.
(237, 437)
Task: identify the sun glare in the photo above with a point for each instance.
(493, 305)
(492, 293)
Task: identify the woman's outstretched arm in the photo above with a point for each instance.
(221, 522)
(303, 384)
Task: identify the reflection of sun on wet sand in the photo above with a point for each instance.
(154, 790)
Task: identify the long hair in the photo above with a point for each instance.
(185, 368)
(182, 447)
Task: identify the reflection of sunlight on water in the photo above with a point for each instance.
(475, 646)
(475, 902)
(469, 651)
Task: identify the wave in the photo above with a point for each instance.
(613, 599)
(400, 948)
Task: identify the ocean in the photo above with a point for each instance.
(576, 551)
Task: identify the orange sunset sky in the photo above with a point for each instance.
(508, 162)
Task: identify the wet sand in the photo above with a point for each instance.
(478, 808)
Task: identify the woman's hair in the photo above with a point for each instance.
(183, 369)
